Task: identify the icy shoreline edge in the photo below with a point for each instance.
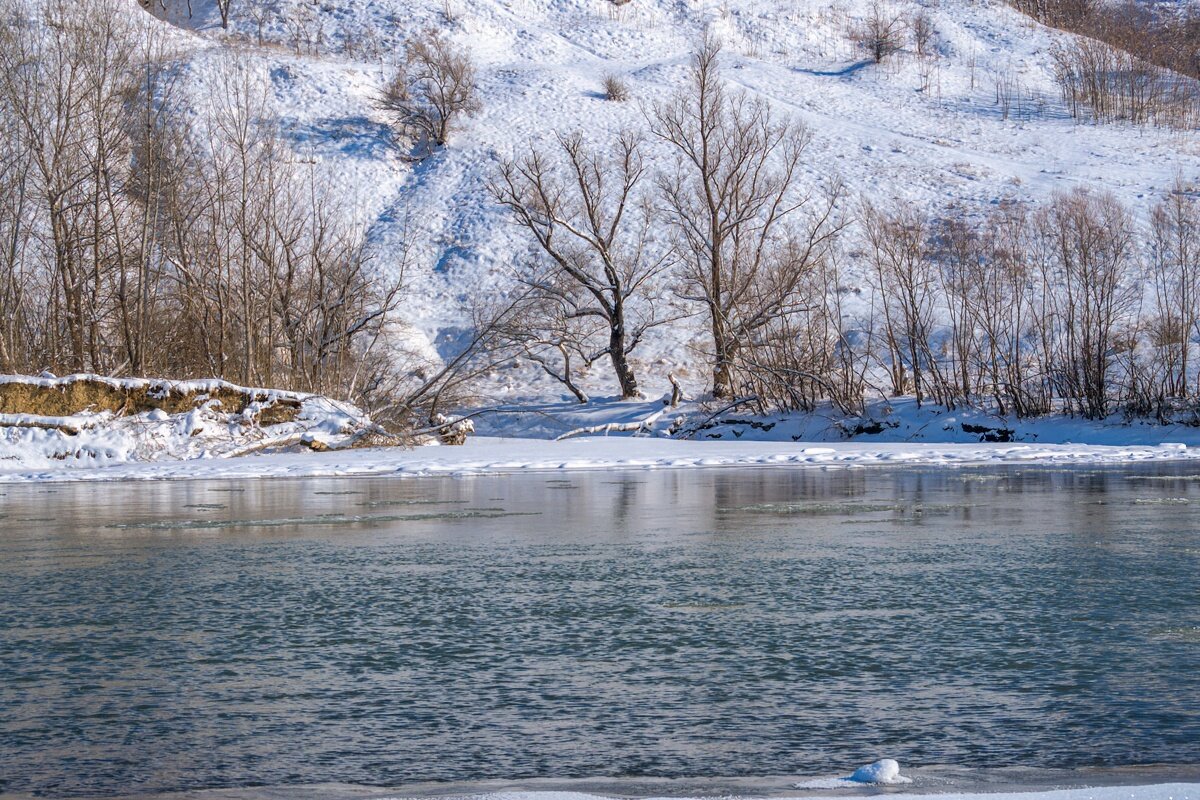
(488, 456)
(499, 790)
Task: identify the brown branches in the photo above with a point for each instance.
(745, 237)
(432, 90)
(585, 212)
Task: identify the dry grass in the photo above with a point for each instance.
(615, 89)
(77, 395)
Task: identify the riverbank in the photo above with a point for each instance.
(936, 784)
(492, 455)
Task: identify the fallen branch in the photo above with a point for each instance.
(291, 440)
(67, 425)
(616, 427)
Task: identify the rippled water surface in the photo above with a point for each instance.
(165, 636)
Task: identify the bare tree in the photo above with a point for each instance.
(432, 89)
(1087, 258)
(1175, 273)
(924, 35)
(583, 209)
(880, 34)
(743, 239)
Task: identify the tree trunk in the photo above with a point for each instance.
(620, 361)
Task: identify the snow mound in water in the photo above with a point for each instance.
(885, 771)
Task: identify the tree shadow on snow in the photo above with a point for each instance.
(358, 137)
(858, 66)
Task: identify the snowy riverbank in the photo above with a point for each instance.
(1161, 791)
(1168, 791)
(484, 455)
(160, 430)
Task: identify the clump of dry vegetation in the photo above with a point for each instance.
(433, 88)
(77, 394)
(615, 89)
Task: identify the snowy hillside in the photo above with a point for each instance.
(927, 128)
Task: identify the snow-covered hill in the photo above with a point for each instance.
(929, 129)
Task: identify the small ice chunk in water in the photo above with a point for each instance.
(885, 770)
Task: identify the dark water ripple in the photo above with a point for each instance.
(681, 624)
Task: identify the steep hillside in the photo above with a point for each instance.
(927, 128)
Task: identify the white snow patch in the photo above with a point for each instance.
(92, 439)
(1166, 791)
(484, 455)
(885, 770)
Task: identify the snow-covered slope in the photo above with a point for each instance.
(923, 128)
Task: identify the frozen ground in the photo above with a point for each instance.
(483, 455)
(1160, 791)
(99, 421)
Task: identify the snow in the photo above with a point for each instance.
(93, 439)
(1166, 791)
(206, 442)
(884, 772)
(485, 455)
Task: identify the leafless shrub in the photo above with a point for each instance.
(615, 89)
(805, 357)
(432, 90)
(880, 34)
(924, 36)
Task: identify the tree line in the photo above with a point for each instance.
(1131, 61)
(145, 236)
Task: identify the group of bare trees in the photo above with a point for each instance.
(140, 234)
(743, 240)
(1102, 83)
(1064, 305)
(1131, 61)
(142, 238)
(1163, 35)
(1069, 305)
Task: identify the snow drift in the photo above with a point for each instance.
(89, 420)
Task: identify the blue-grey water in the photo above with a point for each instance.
(159, 637)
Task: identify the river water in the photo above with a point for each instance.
(158, 637)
